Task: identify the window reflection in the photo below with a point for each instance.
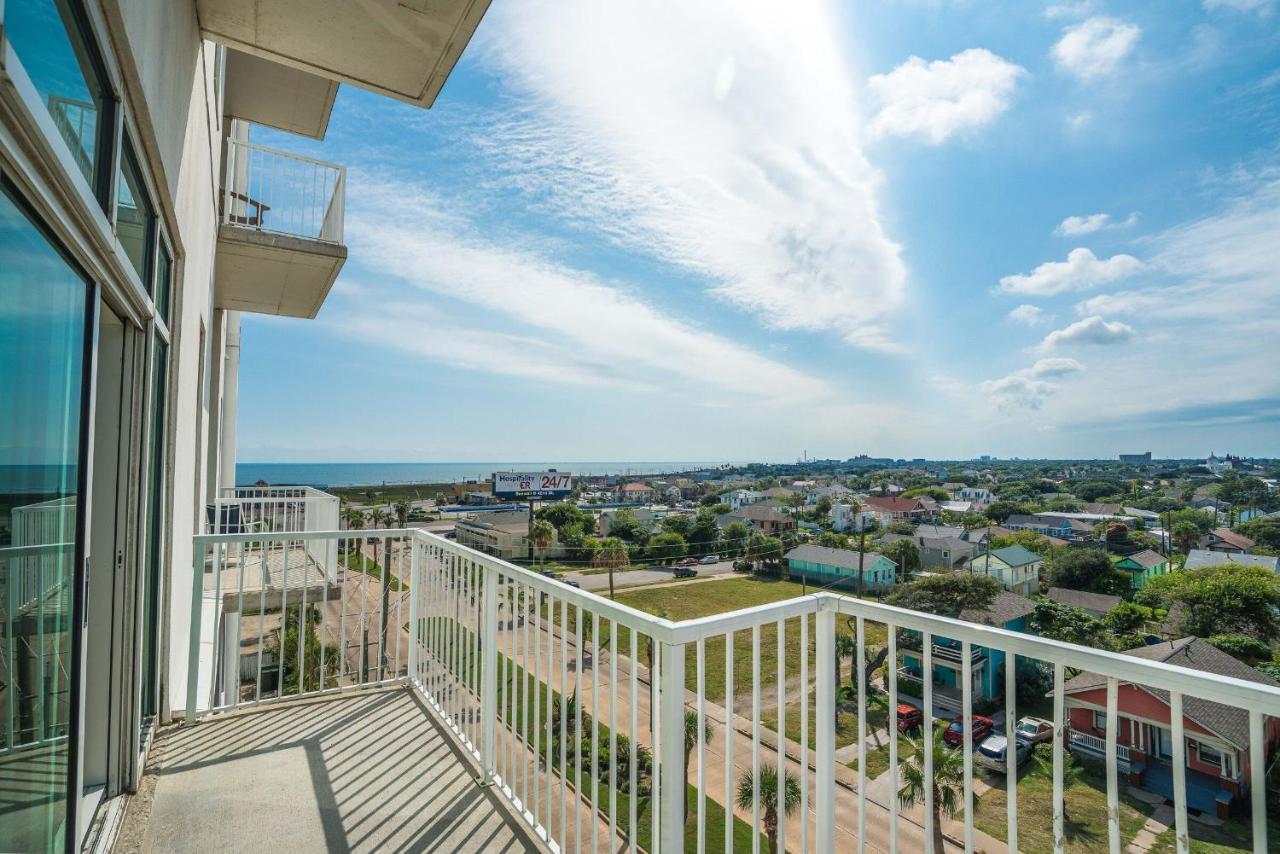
(135, 218)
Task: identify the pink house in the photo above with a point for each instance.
(1217, 736)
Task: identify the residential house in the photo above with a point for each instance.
(958, 507)
(1008, 610)
(943, 552)
(836, 492)
(1103, 509)
(780, 493)
(1226, 540)
(1141, 567)
(503, 534)
(896, 509)
(769, 520)
(940, 531)
(1198, 558)
(952, 488)
(646, 517)
(976, 494)
(839, 568)
(930, 506)
(740, 498)
(641, 493)
(844, 517)
(1094, 604)
(1017, 568)
(673, 494)
(1051, 525)
(1216, 735)
(982, 536)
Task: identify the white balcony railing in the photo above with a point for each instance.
(283, 193)
(258, 509)
(954, 654)
(1093, 744)
(545, 686)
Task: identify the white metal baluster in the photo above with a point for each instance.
(966, 740)
(361, 644)
(490, 711)
(1182, 840)
(525, 686)
(674, 785)
(1113, 785)
(400, 582)
(263, 577)
(755, 739)
(613, 733)
(284, 615)
(655, 726)
(1060, 736)
(700, 741)
(577, 736)
(235, 702)
(826, 735)
(455, 657)
(303, 621)
(782, 732)
(500, 643)
(464, 670)
(563, 838)
(219, 564)
(536, 689)
(549, 777)
(1258, 781)
(633, 834)
(860, 677)
(595, 730)
(804, 734)
(728, 741)
(926, 647)
(892, 634)
(1010, 729)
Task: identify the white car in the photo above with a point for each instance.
(991, 753)
(1034, 730)
(710, 559)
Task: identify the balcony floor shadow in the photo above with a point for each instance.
(365, 772)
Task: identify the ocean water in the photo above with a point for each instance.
(372, 474)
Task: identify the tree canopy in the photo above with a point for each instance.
(1087, 569)
(1220, 600)
(905, 553)
(947, 595)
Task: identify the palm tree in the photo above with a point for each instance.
(379, 517)
(1186, 534)
(355, 519)
(401, 508)
(845, 646)
(613, 555)
(948, 782)
(768, 792)
(691, 735)
(541, 535)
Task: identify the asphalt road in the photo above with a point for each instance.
(634, 577)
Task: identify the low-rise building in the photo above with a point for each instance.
(1016, 568)
(642, 493)
(1141, 567)
(839, 567)
(503, 534)
(1094, 604)
(1198, 558)
(845, 517)
(896, 509)
(767, 519)
(1226, 540)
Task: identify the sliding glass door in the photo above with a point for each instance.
(44, 315)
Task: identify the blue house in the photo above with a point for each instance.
(1007, 610)
(839, 567)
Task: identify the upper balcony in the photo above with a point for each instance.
(592, 726)
(280, 233)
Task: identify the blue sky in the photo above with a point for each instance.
(749, 230)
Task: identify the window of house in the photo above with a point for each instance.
(1100, 721)
(1209, 755)
(51, 38)
(135, 215)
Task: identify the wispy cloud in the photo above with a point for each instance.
(1260, 7)
(721, 137)
(530, 316)
(1092, 331)
(935, 100)
(1074, 226)
(1082, 270)
(1030, 387)
(1096, 47)
(1031, 315)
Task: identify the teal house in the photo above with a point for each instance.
(839, 568)
(1007, 610)
(1141, 567)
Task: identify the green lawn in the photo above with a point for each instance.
(358, 562)
(1233, 837)
(1086, 801)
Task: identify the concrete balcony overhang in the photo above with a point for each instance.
(268, 273)
(279, 96)
(404, 49)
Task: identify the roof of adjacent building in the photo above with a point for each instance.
(939, 531)
(1198, 558)
(1229, 722)
(990, 530)
(1016, 555)
(779, 492)
(757, 513)
(1231, 538)
(1004, 609)
(843, 558)
(895, 505)
(636, 487)
(1097, 603)
(1103, 509)
(957, 506)
(511, 521)
(1147, 559)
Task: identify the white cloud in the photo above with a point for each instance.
(1030, 387)
(1031, 315)
(1069, 10)
(936, 99)
(1096, 47)
(1074, 226)
(530, 316)
(1081, 270)
(1261, 7)
(721, 137)
(1079, 121)
(1090, 331)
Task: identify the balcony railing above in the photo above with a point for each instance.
(949, 653)
(278, 192)
(539, 682)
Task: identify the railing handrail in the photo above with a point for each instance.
(278, 152)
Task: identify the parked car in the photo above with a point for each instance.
(1034, 730)
(910, 718)
(571, 583)
(742, 566)
(684, 572)
(992, 751)
(982, 727)
(709, 559)
(688, 561)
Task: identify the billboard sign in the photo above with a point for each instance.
(540, 484)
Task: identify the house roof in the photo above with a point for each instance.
(1231, 538)
(939, 531)
(1229, 722)
(843, 558)
(756, 513)
(1198, 558)
(1004, 609)
(1147, 559)
(895, 505)
(1103, 509)
(1016, 555)
(636, 487)
(991, 530)
(778, 492)
(1098, 603)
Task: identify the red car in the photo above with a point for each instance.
(909, 718)
(982, 728)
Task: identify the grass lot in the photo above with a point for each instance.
(1233, 837)
(363, 563)
(1086, 801)
(878, 759)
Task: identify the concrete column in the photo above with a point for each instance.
(230, 400)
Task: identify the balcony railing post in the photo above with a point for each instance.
(193, 651)
(671, 783)
(489, 675)
(826, 759)
(415, 591)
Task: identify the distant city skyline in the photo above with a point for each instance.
(918, 227)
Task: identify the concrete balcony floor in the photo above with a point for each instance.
(365, 772)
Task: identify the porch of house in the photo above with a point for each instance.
(369, 771)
